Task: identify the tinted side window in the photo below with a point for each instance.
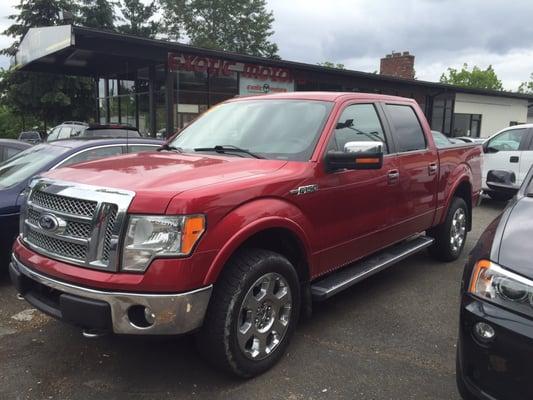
(139, 148)
(508, 141)
(11, 151)
(358, 123)
(409, 133)
(94, 154)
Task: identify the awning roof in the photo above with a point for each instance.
(76, 50)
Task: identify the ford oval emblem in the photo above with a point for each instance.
(48, 222)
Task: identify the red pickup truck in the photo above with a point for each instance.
(235, 226)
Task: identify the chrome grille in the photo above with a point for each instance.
(64, 204)
(59, 247)
(75, 223)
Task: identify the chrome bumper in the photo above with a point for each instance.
(174, 313)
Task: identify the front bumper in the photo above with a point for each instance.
(501, 369)
(111, 311)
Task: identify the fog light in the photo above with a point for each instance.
(484, 332)
(149, 315)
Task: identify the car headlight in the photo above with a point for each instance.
(505, 288)
(149, 236)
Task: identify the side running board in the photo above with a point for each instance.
(350, 275)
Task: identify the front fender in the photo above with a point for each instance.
(251, 218)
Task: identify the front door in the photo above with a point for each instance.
(353, 207)
(526, 159)
(504, 152)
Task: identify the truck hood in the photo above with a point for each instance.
(515, 245)
(157, 177)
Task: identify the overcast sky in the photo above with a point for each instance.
(440, 33)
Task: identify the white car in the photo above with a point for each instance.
(511, 149)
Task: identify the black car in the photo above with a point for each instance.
(32, 137)
(80, 130)
(10, 147)
(495, 347)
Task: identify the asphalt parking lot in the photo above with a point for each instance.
(390, 337)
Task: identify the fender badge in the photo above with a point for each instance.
(304, 190)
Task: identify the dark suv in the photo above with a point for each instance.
(81, 130)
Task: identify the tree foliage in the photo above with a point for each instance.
(242, 26)
(330, 64)
(139, 18)
(526, 87)
(475, 78)
(97, 14)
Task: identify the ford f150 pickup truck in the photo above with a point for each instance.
(236, 225)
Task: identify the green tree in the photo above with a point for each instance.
(475, 78)
(139, 18)
(330, 64)
(97, 14)
(47, 98)
(242, 26)
(526, 87)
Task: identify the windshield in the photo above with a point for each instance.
(274, 129)
(28, 163)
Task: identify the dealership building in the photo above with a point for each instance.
(160, 86)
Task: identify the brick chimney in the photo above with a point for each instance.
(401, 65)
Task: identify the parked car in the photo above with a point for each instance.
(468, 139)
(32, 137)
(508, 150)
(257, 207)
(79, 130)
(16, 173)
(10, 147)
(495, 345)
(441, 140)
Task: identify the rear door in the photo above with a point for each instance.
(504, 152)
(526, 158)
(418, 166)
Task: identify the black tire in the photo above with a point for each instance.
(218, 340)
(443, 249)
(497, 196)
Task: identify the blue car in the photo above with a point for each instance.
(16, 173)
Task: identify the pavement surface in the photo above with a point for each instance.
(390, 337)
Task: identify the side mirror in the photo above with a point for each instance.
(356, 155)
(502, 182)
(488, 149)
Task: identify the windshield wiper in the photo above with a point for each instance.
(228, 148)
(170, 148)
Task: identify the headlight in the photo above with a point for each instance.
(498, 285)
(148, 236)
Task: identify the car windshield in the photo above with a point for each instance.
(28, 163)
(274, 129)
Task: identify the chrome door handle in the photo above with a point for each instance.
(432, 168)
(393, 176)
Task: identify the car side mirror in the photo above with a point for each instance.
(488, 149)
(356, 155)
(502, 182)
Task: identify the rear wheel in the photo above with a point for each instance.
(450, 236)
(252, 313)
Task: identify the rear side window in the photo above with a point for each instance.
(409, 133)
(11, 151)
(139, 148)
(112, 133)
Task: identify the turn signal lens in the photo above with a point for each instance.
(193, 228)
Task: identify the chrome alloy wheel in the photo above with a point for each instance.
(458, 230)
(264, 316)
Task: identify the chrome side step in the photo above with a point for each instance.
(350, 275)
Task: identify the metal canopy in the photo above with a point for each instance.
(76, 50)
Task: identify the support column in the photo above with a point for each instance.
(169, 99)
(151, 100)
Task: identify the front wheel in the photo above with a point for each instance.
(450, 236)
(252, 313)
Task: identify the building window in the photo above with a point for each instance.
(466, 125)
(441, 116)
